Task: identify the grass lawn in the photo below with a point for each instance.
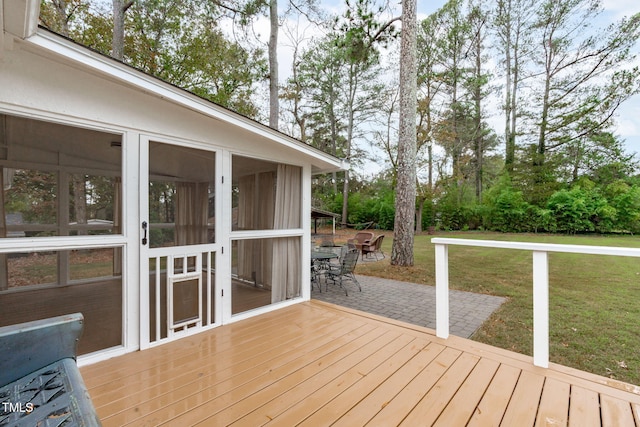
(594, 300)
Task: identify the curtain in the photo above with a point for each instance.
(286, 270)
(264, 221)
(246, 197)
(255, 212)
(192, 199)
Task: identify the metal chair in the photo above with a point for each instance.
(316, 271)
(345, 270)
(326, 240)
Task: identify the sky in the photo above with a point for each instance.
(628, 116)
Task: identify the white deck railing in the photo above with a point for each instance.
(540, 283)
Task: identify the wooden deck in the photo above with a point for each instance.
(316, 364)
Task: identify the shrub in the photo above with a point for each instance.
(625, 199)
(569, 210)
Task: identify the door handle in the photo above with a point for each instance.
(144, 228)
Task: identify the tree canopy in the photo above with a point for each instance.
(515, 107)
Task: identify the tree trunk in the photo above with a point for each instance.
(456, 149)
(402, 249)
(514, 28)
(509, 152)
(430, 160)
(61, 5)
(419, 213)
(345, 187)
(117, 43)
(544, 116)
(479, 134)
(120, 7)
(274, 104)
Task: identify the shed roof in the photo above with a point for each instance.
(319, 213)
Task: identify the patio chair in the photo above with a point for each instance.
(343, 250)
(361, 238)
(346, 248)
(374, 247)
(344, 271)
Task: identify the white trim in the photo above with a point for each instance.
(99, 356)
(545, 247)
(442, 290)
(224, 258)
(266, 234)
(262, 310)
(306, 236)
(143, 255)
(541, 308)
(187, 333)
(131, 252)
(186, 249)
(40, 244)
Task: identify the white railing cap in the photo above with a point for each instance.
(542, 247)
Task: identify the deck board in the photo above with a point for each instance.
(493, 404)
(318, 364)
(379, 398)
(395, 410)
(312, 367)
(616, 412)
(584, 408)
(323, 395)
(554, 404)
(188, 370)
(523, 405)
(223, 390)
(433, 403)
(461, 407)
(261, 412)
(343, 402)
(283, 373)
(191, 372)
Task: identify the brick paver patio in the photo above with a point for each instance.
(412, 303)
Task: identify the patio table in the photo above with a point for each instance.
(323, 255)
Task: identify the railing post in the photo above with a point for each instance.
(442, 290)
(541, 309)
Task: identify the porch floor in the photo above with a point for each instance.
(319, 364)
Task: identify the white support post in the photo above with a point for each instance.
(541, 309)
(442, 290)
